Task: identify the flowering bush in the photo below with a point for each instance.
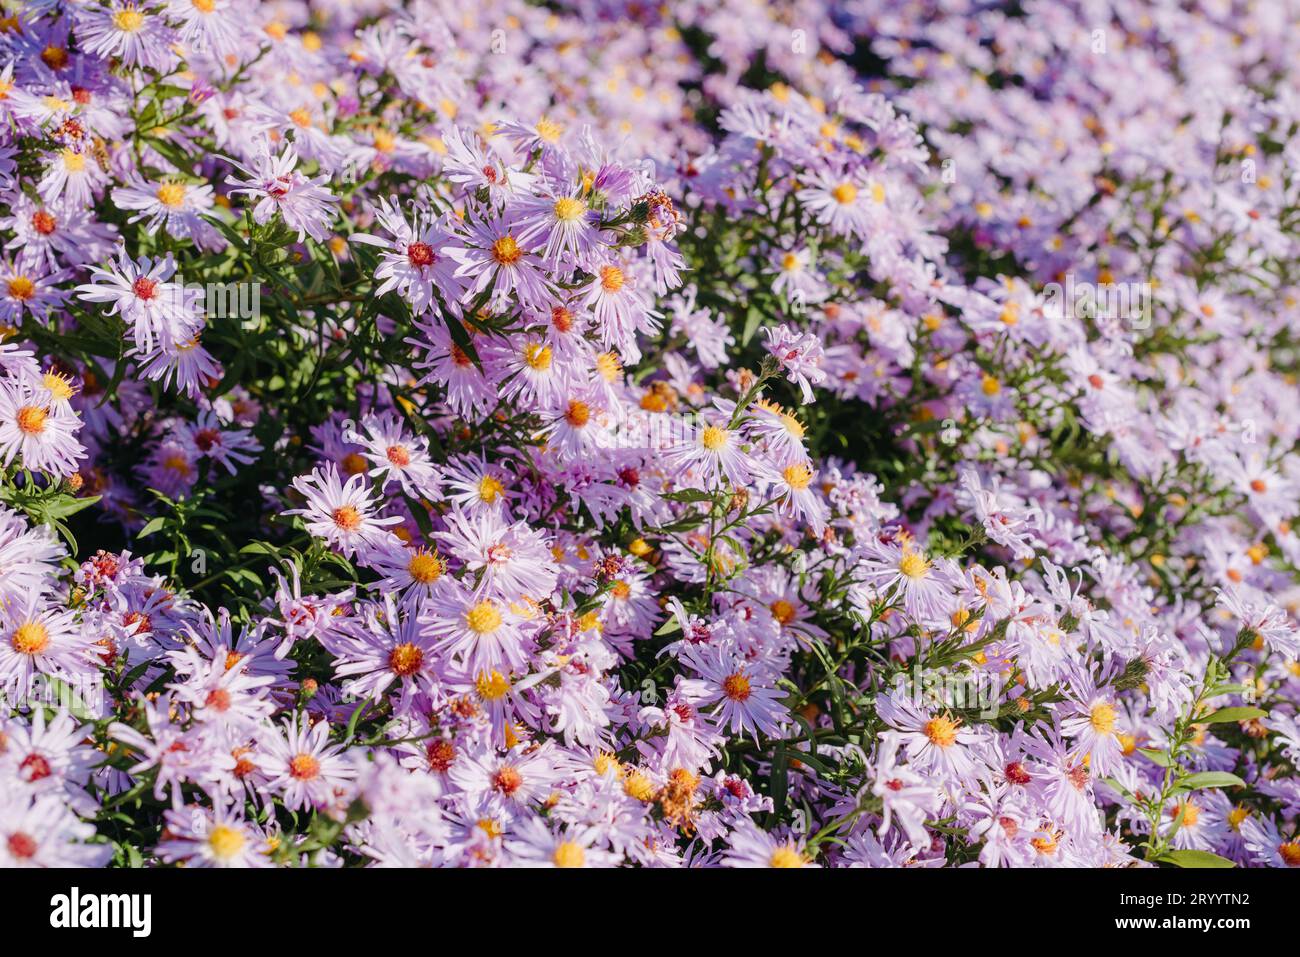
(853, 434)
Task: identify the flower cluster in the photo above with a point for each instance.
(595, 435)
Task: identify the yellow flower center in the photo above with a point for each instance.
(783, 611)
(172, 195)
(506, 251)
(798, 476)
(844, 193)
(22, 288)
(714, 438)
(31, 420)
(569, 854)
(990, 386)
(59, 386)
(1102, 718)
(786, 856)
(608, 367)
(129, 20)
(491, 687)
(483, 618)
(73, 161)
(425, 567)
(537, 356)
(568, 209)
(30, 638)
(941, 730)
(639, 786)
(225, 840)
(405, 660)
(489, 488)
(304, 766)
(736, 687)
(347, 517)
(548, 131)
(913, 565)
(611, 279)
(577, 414)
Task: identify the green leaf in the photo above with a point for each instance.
(1211, 779)
(753, 319)
(1159, 757)
(1191, 858)
(66, 505)
(668, 627)
(1225, 715)
(689, 495)
(153, 525)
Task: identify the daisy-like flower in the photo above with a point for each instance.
(412, 571)
(575, 427)
(73, 175)
(473, 484)
(29, 555)
(621, 310)
(340, 512)
(750, 846)
(796, 278)
(562, 223)
(793, 489)
(384, 645)
(900, 570)
(133, 32)
(507, 560)
(397, 456)
(221, 689)
(37, 429)
(536, 377)
(779, 432)
(208, 26)
(471, 165)
(25, 292)
(744, 701)
(155, 309)
(1093, 721)
(709, 454)
(39, 638)
(306, 770)
(415, 261)
(41, 830)
(533, 844)
(497, 259)
(843, 202)
(1261, 619)
(278, 187)
(212, 837)
(184, 366)
(227, 446)
(469, 393)
(180, 207)
(46, 234)
(908, 799)
(482, 631)
(798, 354)
(934, 739)
(510, 781)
